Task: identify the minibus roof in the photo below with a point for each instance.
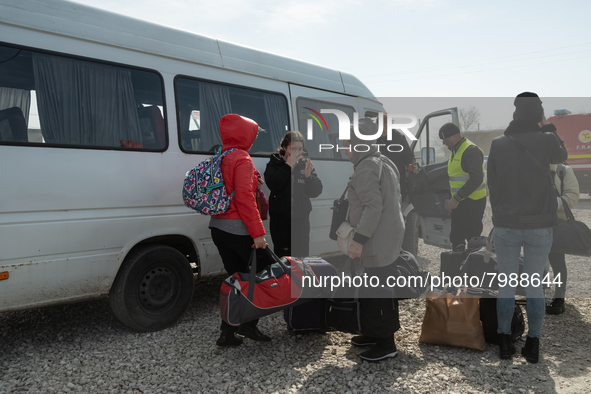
(92, 24)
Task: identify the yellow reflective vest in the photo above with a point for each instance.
(458, 177)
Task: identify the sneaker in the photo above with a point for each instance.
(376, 354)
(531, 350)
(361, 340)
(228, 339)
(253, 333)
(506, 347)
(556, 307)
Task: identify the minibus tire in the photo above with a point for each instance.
(153, 288)
(410, 243)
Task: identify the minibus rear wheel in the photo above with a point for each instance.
(153, 288)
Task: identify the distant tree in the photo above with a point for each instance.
(469, 117)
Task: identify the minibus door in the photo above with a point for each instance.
(429, 188)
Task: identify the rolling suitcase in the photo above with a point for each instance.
(310, 316)
(452, 261)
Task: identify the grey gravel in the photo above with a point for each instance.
(82, 348)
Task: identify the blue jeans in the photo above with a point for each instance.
(536, 246)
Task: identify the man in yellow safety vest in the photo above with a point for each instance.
(468, 189)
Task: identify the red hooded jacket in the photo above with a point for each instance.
(239, 172)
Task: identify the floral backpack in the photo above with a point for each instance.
(204, 190)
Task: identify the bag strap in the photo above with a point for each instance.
(561, 171)
(253, 269)
(567, 210)
(535, 161)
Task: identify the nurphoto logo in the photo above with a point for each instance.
(345, 129)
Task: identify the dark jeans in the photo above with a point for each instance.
(291, 236)
(466, 221)
(558, 264)
(235, 251)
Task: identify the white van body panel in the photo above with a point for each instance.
(68, 216)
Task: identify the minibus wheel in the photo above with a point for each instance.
(153, 288)
(410, 242)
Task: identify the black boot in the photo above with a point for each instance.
(253, 333)
(506, 347)
(531, 350)
(556, 307)
(228, 339)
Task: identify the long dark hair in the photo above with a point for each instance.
(291, 136)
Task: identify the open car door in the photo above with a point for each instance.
(429, 189)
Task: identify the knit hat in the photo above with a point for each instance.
(447, 130)
(528, 106)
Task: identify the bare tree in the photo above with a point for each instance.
(469, 117)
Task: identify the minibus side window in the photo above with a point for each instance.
(50, 100)
(201, 105)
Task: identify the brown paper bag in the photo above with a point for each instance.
(453, 319)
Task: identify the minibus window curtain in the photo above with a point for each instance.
(214, 103)
(84, 103)
(14, 103)
(277, 117)
(20, 98)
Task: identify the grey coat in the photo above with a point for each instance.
(374, 206)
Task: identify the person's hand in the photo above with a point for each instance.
(295, 157)
(355, 250)
(451, 203)
(260, 243)
(289, 159)
(544, 122)
(260, 181)
(309, 168)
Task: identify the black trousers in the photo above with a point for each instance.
(235, 251)
(466, 221)
(379, 316)
(290, 235)
(558, 264)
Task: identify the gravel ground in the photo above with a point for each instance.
(82, 348)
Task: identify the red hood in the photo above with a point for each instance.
(237, 132)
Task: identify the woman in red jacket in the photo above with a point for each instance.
(235, 231)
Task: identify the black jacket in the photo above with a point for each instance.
(521, 194)
(279, 178)
(401, 159)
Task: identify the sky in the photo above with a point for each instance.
(406, 48)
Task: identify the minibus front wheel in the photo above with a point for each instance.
(153, 288)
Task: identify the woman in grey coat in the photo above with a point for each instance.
(374, 212)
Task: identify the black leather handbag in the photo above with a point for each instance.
(571, 236)
(339, 214)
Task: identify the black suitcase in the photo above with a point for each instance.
(451, 263)
(488, 271)
(310, 316)
(490, 322)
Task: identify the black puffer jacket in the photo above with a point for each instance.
(278, 175)
(521, 195)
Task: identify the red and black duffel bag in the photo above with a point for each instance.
(285, 283)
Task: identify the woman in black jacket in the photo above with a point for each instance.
(291, 210)
(524, 205)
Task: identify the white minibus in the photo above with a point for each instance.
(101, 116)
